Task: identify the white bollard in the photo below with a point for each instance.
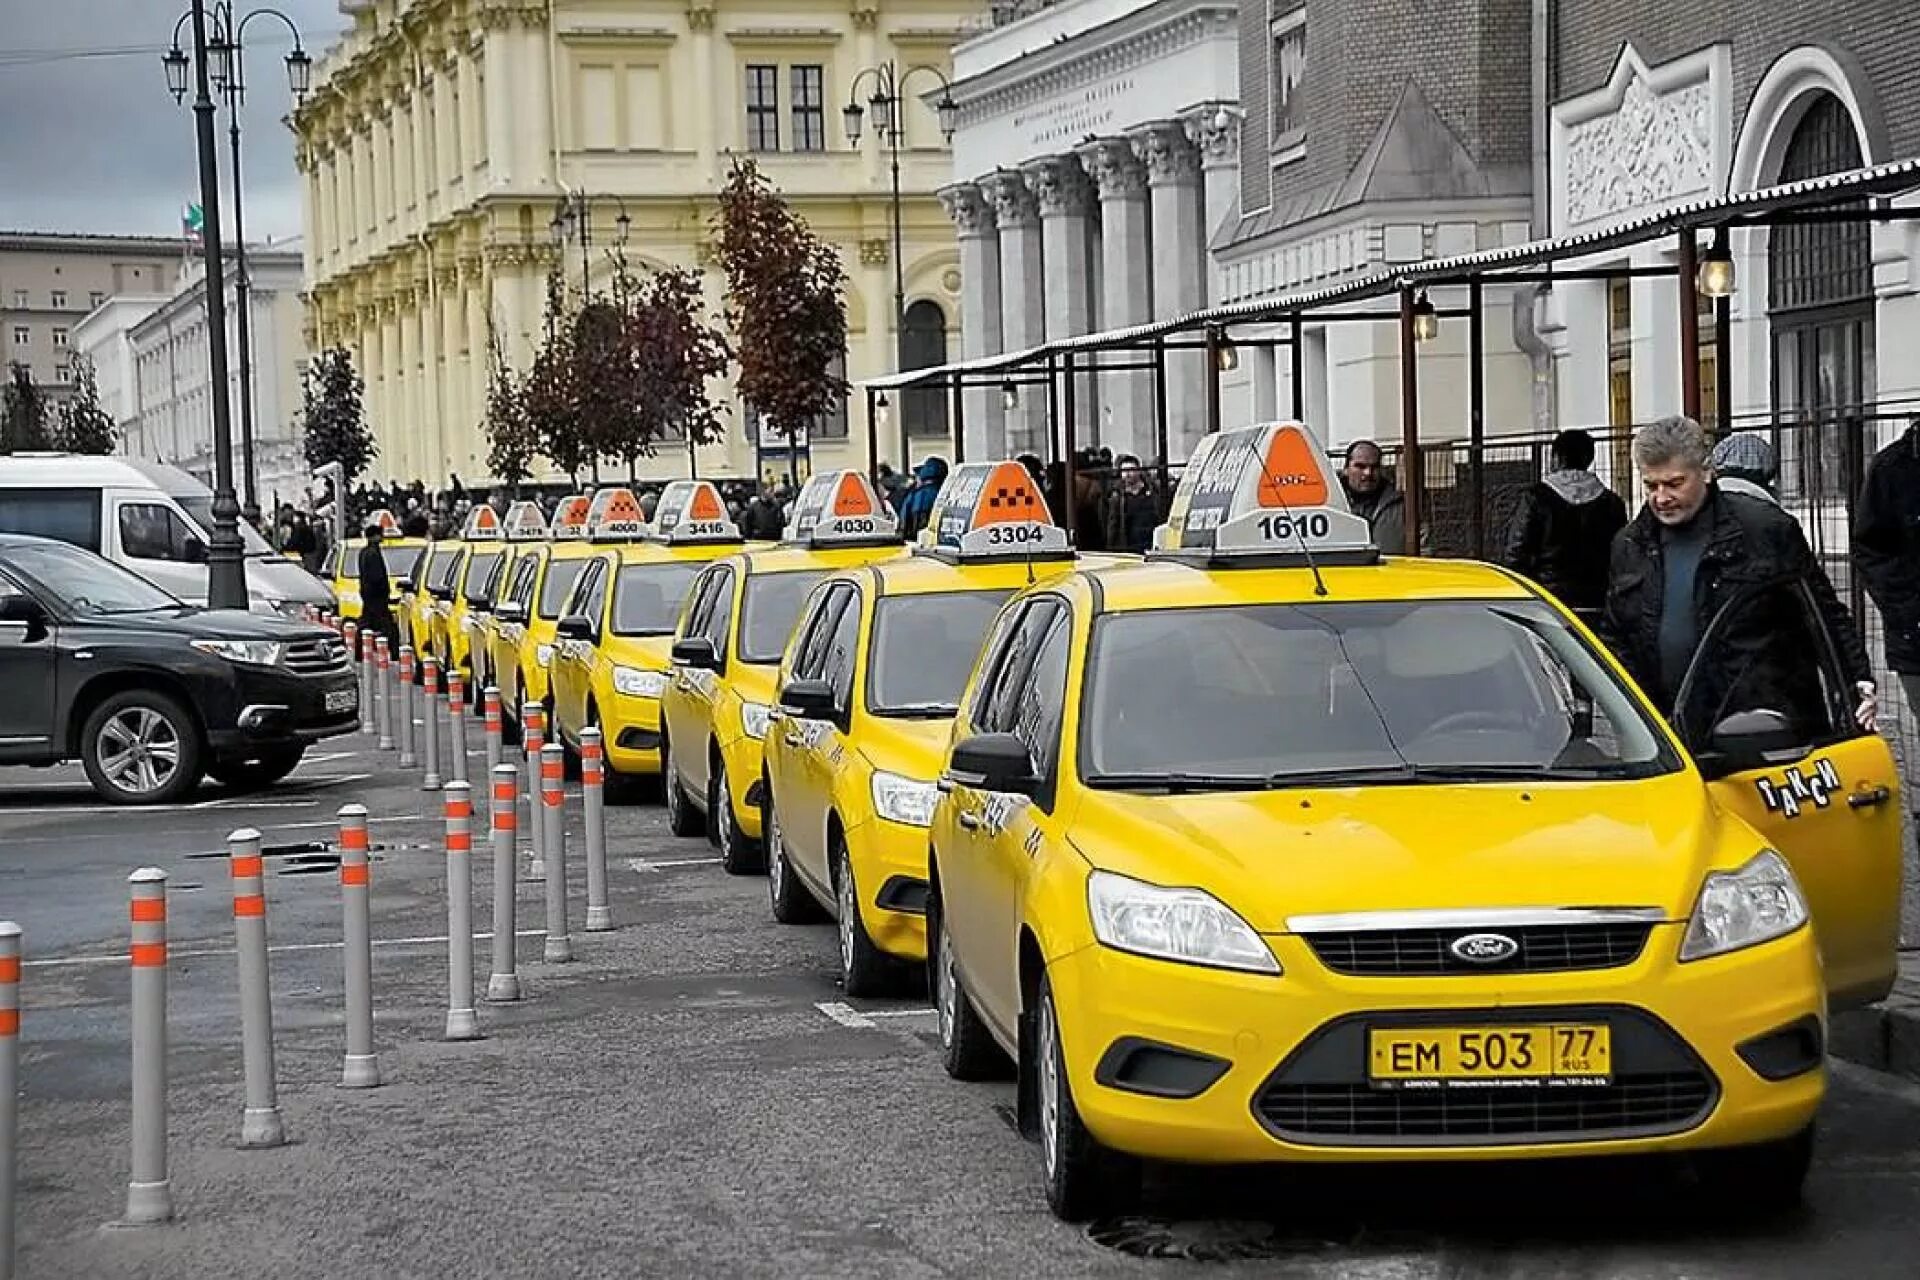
(362, 1069)
(260, 1123)
(593, 803)
(430, 724)
(553, 794)
(9, 1084)
(383, 678)
(462, 1022)
(490, 716)
(149, 1193)
(504, 984)
(408, 759)
(456, 726)
(533, 736)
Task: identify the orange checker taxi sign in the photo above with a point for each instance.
(1262, 490)
(992, 509)
(692, 510)
(572, 518)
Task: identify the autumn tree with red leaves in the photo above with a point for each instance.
(678, 355)
(511, 439)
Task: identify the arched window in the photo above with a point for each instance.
(1820, 301)
(923, 346)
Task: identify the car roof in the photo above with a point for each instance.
(86, 470)
(792, 559)
(1172, 584)
(924, 573)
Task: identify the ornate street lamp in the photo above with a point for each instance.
(1715, 276)
(1426, 320)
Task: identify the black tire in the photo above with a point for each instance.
(128, 712)
(967, 1048)
(682, 818)
(261, 771)
(791, 902)
(740, 854)
(865, 970)
(1757, 1183)
(1084, 1178)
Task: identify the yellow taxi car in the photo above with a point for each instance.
(429, 596)
(525, 529)
(867, 691)
(402, 555)
(530, 633)
(615, 632)
(727, 650)
(474, 584)
(1270, 849)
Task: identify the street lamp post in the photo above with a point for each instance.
(573, 218)
(227, 72)
(889, 126)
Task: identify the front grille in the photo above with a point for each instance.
(1543, 949)
(1656, 1101)
(316, 657)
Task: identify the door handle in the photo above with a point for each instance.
(793, 739)
(969, 819)
(1869, 798)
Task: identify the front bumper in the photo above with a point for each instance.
(263, 709)
(745, 758)
(632, 729)
(890, 866)
(1285, 1073)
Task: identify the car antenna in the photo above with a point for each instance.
(1319, 583)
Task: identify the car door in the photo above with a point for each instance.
(686, 710)
(803, 786)
(28, 671)
(980, 884)
(1826, 794)
(573, 658)
(156, 543)
(506, 653)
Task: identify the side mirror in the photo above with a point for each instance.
(442, 593)
(808, 700)
(575, 626)
(403, 584)
(194, 551)
(994, 762)
(1750, 740)
(696, 652)
(510, 611)
(22, 609)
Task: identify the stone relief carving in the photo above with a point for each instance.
(1013, 203)
(1655, 148)
(1059, 185)
(1216, 132)
(1116, 171)
(968, 207)
(873, 253)
(1164, 149)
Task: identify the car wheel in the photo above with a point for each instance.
(1084, 1178)
(967, 1050)
(261, 771)
(739, 854)
(865, 970)
(1757, 1182)
(682, 818)
(141, 747)
(792, 904)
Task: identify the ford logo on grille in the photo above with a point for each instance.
(1484, 948)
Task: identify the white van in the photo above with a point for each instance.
(154, 519)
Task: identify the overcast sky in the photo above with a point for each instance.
(92, 140)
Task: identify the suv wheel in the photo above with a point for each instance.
(141, 747)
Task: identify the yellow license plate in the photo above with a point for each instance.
(1436, 1057)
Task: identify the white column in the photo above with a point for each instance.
(1263, 383)
(1126, 270)
(1022, 297)
(1065, 197)
(1173, 180)
(984, 422)
(1215, 131)
(1656, 337)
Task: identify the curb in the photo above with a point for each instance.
(1885, 1037)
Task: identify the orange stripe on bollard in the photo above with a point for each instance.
(460, 842)
(243, 867)
(9, 1022)
(149, 910)
(9, 968)
(249, 904)
(353, 873)
(503, 822)
(460, 808)
(148, 955)
(353, 838)
(552, 769)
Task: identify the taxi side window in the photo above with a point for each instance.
(996, 642)
(521, 591)
(1011, 666)
(584, 595)
(718, 623)
(693, 616)
(1038, 709)
(826, 616)
(1766, 651)
(595, 595)
(837, 662)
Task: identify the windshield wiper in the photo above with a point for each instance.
(1179, 783)
(918, 711)
(1518, 772)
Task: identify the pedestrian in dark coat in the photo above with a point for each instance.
(376, 592)
(1562, 532)
(1886, 552)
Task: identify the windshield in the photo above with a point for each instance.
(199, 509)
(561, 575)
(647, 597)
(924, 648)
(768, 613)
(86, 585)
(1278, 695)
(440, 568)
(401, 561)
(478, 588)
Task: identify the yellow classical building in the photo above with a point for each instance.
(443, 137)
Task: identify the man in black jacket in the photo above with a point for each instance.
(1886, 552)
(1562, 531)
(1693, 548)
(376, 593)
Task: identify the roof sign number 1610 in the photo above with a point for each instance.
(1312, 525)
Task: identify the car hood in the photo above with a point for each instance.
(281, 579)
(1273, 855)
(912, 748)
(208, 624)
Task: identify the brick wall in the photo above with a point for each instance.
(1881, 37)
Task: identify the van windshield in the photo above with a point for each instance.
(199, 509)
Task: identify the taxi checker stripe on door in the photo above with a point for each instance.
(1009, 497)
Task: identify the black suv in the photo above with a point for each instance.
(149, 693)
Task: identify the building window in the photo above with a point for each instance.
(923, 345)
(1620, 353)
(22, 336)
(809, 109)
(60, 374)
(763, 108)
(94, 300)
(833, 424)
(59, 337)
(19, 297)
(59, 299)
(1287, 69)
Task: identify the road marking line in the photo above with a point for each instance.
(844, 1014)
(898, 1013)
(81, 810)
(59, 962)
(643, 865)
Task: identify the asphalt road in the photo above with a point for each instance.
(694, 1097)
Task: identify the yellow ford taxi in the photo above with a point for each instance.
(525, 529)
(726, 654)
(1269, 849)
(402, 555)
(867, 690)
(474, 585)
(615, 632)
(554, 574)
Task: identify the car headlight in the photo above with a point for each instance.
(905, 800)
(1187, 925)
(755, 717)
(258, 653)
(1758, 903)
(543, 654)
(635, 683)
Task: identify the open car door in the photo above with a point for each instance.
(1767, 712)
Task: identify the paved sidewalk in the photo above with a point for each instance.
(1887, 1036)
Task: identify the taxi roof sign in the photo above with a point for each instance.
(615, 513)
(1266, 491)
(692, 511)
(840, 507)
(524, 523)
(570, 517)
(483, 524)
(992, 510)
(389, 527)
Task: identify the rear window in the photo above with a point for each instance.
(65, 515)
